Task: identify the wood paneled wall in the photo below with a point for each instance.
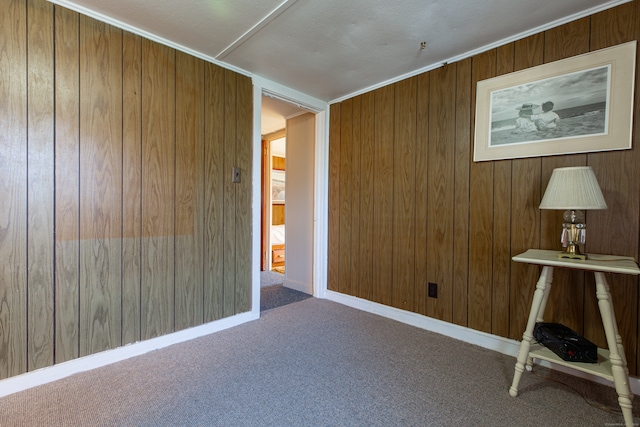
(118, 218)
(408, 206)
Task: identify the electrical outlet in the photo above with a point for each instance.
(432, 291)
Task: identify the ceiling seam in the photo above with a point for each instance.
(286, 4)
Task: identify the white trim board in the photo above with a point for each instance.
(492, 342)
(506, 346)
(62, 370)
(469, 54)
(147, 35)
(321, 178)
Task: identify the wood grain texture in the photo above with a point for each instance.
(383, 195)
(346, 215)
(229, 197)
(132, 186)
(265, 203)
(158, 189)
(189, 192)
(67, 173)
(404, 201)
(567, 304)
(277, 214)
(366, 196)
(90, 219)
(244, 191)
(279, 163)
(13, 187)
(356, 170)
(502, 191)
(440, 199)
(481, 219)
(40, 190)
(525, 199)
(462, 153)
(100, 185)
(422, 191)
(617, 228)
(333, 235)
(214, 192)
(493, 212)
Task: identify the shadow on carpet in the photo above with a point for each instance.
(277, 296)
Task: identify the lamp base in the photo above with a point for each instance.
(572, 251)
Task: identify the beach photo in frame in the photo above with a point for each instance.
(575, 105)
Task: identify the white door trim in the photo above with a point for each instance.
(321, 177)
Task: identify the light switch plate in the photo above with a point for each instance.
(236, 175)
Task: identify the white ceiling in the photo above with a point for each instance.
(332, 49)
(275, 113)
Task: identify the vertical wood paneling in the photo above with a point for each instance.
(472, 217)
(366, 195)
(346, 180)
(120, 135)
(95, 197)
(229, 207)
(100, 185)
(567, 304)
(461, 192)
(422, 191)
(404, 201)
(244, 159)
(214, 191)
(40, 226)
(13, 187)
(383, 195)
(189, 208)
(158, 189)
(333, 235)
(132, 186)
(440, 199)
(617, 229)
(502, 220)
(481, 219)
(525, 199)
(356, 143)
(67, 176)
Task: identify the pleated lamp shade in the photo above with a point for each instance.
(574, 188)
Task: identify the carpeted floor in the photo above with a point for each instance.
(270, 278)
(277, 295)
(273, 294)
(315, 363)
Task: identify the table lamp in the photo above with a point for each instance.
(574, 189)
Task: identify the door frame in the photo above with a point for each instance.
(266, 208)
(321, 176)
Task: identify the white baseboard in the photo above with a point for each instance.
(492, 342)
(307, 288)
(62, 370)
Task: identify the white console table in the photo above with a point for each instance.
(612, 363)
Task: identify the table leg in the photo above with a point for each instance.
(618, 359)
(540, 297)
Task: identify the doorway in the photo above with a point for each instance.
(287, 183)
(273, 197)
(320, 171)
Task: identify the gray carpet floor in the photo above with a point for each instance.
(270, 278)
(315, 363)
(273, 294)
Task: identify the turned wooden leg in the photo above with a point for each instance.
(540, 296)
(618, 359)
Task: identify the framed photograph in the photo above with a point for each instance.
(575, 105)
(277, 186)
